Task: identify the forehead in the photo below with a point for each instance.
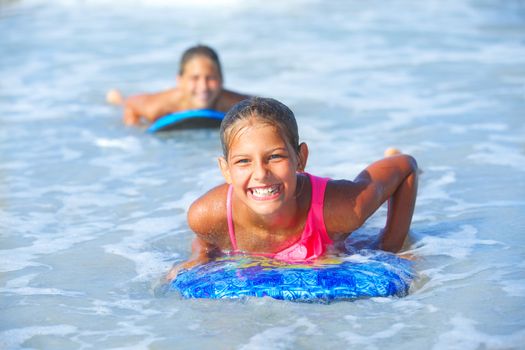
(254, 133)
(200, 65)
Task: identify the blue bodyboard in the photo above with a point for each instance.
(374, 274)
(188, 119)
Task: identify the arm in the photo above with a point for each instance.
(228, 99)
(350, 203)
(146, 106)
(131, 114)
(207, 218)
(400, 209)
(149, 107)
(201, 252)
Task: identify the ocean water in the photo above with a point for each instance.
(92, 213)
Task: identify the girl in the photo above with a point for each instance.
(269, 206)
(199, 86)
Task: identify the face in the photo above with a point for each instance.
(200, 82)
(262, 168)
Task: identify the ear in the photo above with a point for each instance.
(225, 169)
(178, 79)
(303, 157)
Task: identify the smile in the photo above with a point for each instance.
(265, 193)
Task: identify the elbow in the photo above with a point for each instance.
(409, 163)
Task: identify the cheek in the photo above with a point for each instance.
(238, 174)
(214, 85)
(286, 171)
(188, 85)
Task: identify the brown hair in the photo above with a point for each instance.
(267, 110)
(199, 50)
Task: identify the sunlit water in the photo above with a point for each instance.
(92, 213)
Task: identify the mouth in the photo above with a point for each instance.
(264, 193)
(203, 96)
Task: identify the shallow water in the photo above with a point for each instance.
(92, 213)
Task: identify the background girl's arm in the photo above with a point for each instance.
(229, 98)
(149, 106)
(131, 115)
(350, 203)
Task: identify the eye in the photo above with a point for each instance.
(276, 156)
(242, 161)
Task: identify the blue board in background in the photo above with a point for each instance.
(372, 274)
(191, 118)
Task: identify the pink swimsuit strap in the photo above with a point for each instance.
(229, 215)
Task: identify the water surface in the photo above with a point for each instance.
(92, 213)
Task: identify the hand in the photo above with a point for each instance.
(114, 97)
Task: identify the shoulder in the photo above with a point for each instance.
(151, 102)
(207, 214)
(229, 98)
(340, 207)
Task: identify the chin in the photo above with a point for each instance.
(268, 212)
(204, 103)
(201, 105)
(266, 208)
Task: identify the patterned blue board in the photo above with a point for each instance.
(190, 118)
(373, 274)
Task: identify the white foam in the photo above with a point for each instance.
(280, 337)
(436, 188)
(22, 257)
(456, 244)
(438, 279)
(366, 340)
(135, 245)
(513, 287)
(183, 203)
(498, 154)
(463, 129)
(464, 335)
(20, 286)
(148, 264)
(155, 3)
(461, 206)
(15, 338)
(128, 144)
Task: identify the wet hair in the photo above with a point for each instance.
(199, 50)
(266, 110)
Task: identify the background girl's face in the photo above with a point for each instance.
(200, 82)
(262, 167)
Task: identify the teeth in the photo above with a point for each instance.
(266, 191)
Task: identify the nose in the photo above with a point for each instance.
(260, 170)
(202, 84)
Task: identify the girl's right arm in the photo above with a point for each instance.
(201, 252)
(207, 218)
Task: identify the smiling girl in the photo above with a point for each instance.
(199, 86)
(269, 206)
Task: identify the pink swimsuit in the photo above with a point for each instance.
(314, 238)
